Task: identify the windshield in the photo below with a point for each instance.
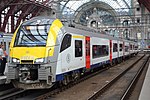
(32, 35)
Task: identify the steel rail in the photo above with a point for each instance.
(105, 87)
(12, 95)
(19, 93)
(56, 91)
(128, 91)
(5, 92)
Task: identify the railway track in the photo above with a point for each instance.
(108, 90)
(136, 80)
(51, 94)
(43, 94)
(11, 94)
(14, 93)
(63, 88)
(7, 89)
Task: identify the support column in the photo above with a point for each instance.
(0, 20)
(12, 24)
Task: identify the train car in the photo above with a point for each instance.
(43, 52)
(5, 39)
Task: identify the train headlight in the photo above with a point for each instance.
(15, 60)
(39, 60)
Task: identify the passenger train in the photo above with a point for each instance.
(43, 52)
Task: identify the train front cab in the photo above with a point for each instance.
(34, 53)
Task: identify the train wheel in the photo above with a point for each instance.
(111, 64)
(76, 76)
(66, 80)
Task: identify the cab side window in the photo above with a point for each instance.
(66, 42)
(78, 48)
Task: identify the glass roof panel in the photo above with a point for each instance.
(108, 12)
(118, 5)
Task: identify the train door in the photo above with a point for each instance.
(87, 48)
(78, 60)
(110, 50)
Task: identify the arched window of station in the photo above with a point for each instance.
(93, 24)
(137, 7)
(126, 23)
(138, 20)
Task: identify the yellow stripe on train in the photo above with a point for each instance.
(79, 37)
(53, 33)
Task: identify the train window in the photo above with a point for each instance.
(32, 35)
(136, 47)
(115, 47)
(78, 48)
(126, 48)
(99, 50)
(66, 42)
(130, 47)
(121, 46)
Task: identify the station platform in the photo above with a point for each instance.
(145, 92)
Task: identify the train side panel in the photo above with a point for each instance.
(73, 58)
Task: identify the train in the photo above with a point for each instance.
(44, 51)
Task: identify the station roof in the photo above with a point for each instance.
(122, 6)
(15, 11)
(146, 3)
(109, 10)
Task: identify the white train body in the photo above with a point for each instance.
(67, 62)
(66, 54)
